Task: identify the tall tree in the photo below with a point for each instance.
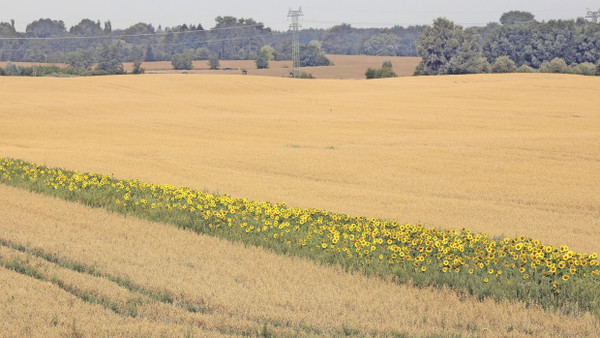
(587, 45)
(467, 59)
(447, 48)
(187, 37)
(7, 29)
(555, 39)
(515, 17)
(139, 28)
(338, 39)
(149, 55)
(383, 44)
(514, 41)
(109, 60)
(107, 27)
(44, 28)
(237, 38)
(87, 27)
(182, 61)
(81, 60)
(534, 43)
(312, 55)
(265, 55)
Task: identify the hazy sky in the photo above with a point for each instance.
(317, 13)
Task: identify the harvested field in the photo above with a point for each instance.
(503, 154)
(345, 67)
(215, 287)
(351, 67)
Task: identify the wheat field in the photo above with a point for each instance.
(237, 289)
(503, 154)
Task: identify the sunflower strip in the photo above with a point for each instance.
(518, 268)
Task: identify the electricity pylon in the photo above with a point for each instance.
(294, 16)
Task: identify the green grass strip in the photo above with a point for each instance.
(519, 268)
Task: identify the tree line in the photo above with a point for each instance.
(518, 43)
(47, 40)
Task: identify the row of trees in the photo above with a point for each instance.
(311, 54)
(395, 41)
(47, 40)
(447, 48)
(504, 64)
(105, 62)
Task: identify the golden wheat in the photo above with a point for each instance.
(504, 154)
(241, 288)
(32, 308)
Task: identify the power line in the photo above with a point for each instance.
(46, 49)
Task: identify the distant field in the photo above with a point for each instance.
(345, 67)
